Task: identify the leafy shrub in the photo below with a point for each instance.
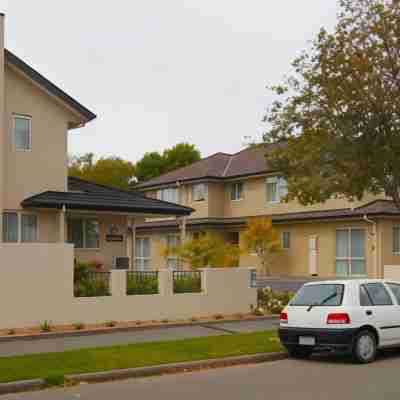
(218, 316)
(272, 301)
(11, 332)
(135, 286)
(187, 284)
(45, 326)
(87, 284)
(110, 324)
(55, 380)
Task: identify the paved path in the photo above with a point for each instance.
(319, 379)
(151, 335)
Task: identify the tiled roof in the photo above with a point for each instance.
(374, 209)
(250, 161)
(84, 195)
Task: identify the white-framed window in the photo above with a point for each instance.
(396, 239)
(173, 241)
(350, 252)
(142, 253)
(168, 194)
(20, 227)
(22, 132)
(276, 188)
(237, 191)
(286, 239)
(200, 192)
(84, 233)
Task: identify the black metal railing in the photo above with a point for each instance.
(141, 282)
(92, 284)
(187, 281)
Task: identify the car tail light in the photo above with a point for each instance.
(338, 318)
(284, 318)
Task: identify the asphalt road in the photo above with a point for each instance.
(120, 338)
(319, 379)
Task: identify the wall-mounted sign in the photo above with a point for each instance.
(114, 234)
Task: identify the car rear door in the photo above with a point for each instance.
(394, 288)
(379, 310)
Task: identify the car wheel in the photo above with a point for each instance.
(364, 347)
(300, 352)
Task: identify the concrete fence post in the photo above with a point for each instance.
(165, 282)
(205, 275)
(118, 283)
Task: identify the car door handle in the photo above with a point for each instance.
(368, 312)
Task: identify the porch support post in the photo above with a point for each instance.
(61, 235)
(130, 241)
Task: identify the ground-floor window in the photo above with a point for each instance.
(396, 239)
(173, 241)
(350, 252)
(84, 233)
(142, 254)
(286, 240)
(20, 227)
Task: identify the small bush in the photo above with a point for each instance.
(79, 325)
(11, 332)
(218, 316)
(135, 286)
(45, 326)
(110, 324)
(273, 302)
(165, 321)
(194, 319)
(55, 380)
(187, 284)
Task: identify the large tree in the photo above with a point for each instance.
(339, 114)
(155, 164)
(112, 171)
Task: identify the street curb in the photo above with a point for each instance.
(102, 331)
(173, 368)
(22, 386)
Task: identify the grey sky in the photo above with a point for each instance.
(158, 72)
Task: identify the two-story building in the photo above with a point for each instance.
(39, 203)
(336, 238)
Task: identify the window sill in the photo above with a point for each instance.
(236, 201)
(86, 249)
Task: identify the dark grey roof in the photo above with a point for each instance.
(51, 87)
(250, 161)
(84, 195)
(377, 208)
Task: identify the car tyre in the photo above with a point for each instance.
(300, 352)
(364, 347)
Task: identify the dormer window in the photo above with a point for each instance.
(199, 192)
(22, 133)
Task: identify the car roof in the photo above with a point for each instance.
(349, 281)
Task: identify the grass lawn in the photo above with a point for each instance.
(54, 366)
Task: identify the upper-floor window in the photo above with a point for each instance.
(22, 133)
(20, 227)
(276, 189)
(237, 191)
(168, 194)
(84, 233)
(199, 192)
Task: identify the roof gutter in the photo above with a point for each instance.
(375, 240)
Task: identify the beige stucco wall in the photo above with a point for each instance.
(37, 279)
(385, 232)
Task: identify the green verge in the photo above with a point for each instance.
(49, 366)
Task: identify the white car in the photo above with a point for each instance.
(356, 316)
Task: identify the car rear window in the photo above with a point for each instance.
(319, 295)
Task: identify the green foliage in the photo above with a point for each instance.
(111, 171)
(45, 326)
(79, 326)
(55, 380)
(87, 284)
(137, 286)
(110, 324)
(272, 301)
(154, 164)
(11, 331)
(261, 238)
(187, 284)
(339, 113)
(207, 251)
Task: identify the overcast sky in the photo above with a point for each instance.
(159, 72)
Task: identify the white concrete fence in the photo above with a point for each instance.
(392, 272)
(36, 284)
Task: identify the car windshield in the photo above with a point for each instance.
(319, 295)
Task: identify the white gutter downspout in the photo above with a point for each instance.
(374, 234)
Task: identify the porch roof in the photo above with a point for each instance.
(84, 195)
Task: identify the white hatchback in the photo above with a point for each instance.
(356, 316)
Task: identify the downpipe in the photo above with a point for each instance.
(374, 234)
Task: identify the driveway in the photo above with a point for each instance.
(322, 378)
(121, 338)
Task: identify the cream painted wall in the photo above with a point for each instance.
(386, 240)
(37, 279)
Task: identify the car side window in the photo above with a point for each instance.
(395, 288)
(365, 301)
(378, 294)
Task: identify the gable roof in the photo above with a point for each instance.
(85, 195)
(250, 161)
(49, 86)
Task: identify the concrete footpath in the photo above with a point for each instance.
(52, 345)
